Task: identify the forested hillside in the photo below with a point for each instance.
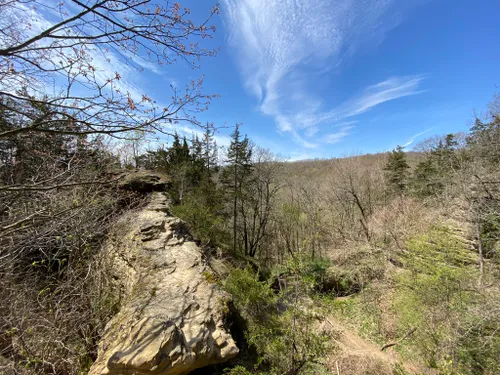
(379, 264)
(401, 249)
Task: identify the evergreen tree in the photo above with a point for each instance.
(237, 173)
(178, 167)
(186, 163)
(196, 148)
(425, 181)
(25, 159)
(197, 170)
(444, 154)
(484, 151)
(184, 151)
(484, 140)
(209, 149)
(157, 160)
(198, 200)
(173, 151)
(432, 173)
(397, 170)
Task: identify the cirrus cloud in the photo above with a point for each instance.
(285, 46)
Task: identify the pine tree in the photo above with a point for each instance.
(431, 174)
(178, 167)
(237, 173)
(484, 140)
(184, 152)
(444, 154)
(425, 181)
(197, 170)
(209, 149)
(173, 150)
(397, 170)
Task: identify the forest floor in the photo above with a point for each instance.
(359, 356)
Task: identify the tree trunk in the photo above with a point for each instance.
(235, 213)
(480, 251)
(235, 202)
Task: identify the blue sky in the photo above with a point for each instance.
(330, 78)
(325, 78)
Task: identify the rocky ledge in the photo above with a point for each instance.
(172, 318)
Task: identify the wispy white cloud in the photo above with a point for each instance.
(296, 156)
(338, 136)
(390, 89)
(311, 131)
(305, 126)
(414, 137)
(285, 47)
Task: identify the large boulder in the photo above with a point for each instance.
(172, 319)
(143, 181)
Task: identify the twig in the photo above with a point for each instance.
(408, 334)
(19, 222)
(328, 321)
(45, 188)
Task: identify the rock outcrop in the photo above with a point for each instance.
(143, 181)
(172, 318)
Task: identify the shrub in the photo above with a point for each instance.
(204, 218)
(55, 294)
(281, 332)
(436, 294)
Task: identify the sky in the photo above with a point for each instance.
(318, 78)
(327, 78)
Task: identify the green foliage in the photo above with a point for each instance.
(479, 343)
(440, 252)
(316, 270)
(252, 297)
(484, 140)
(204, 214)
(397, 170)
(190, 166)
(210, 277)
(433, 173)
(235, 176)
(239, 370)
(361, 311)
(425, 181)
(335, 280)
(398, 369)
(490, 234)
(436, 295)
(196, 198)
(281, 332)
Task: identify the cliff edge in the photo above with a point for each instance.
(172, 318)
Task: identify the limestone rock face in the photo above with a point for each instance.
(172, 318)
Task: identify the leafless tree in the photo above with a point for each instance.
(63, 93)
(69, 46)
(356, 189)
(259, 199)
